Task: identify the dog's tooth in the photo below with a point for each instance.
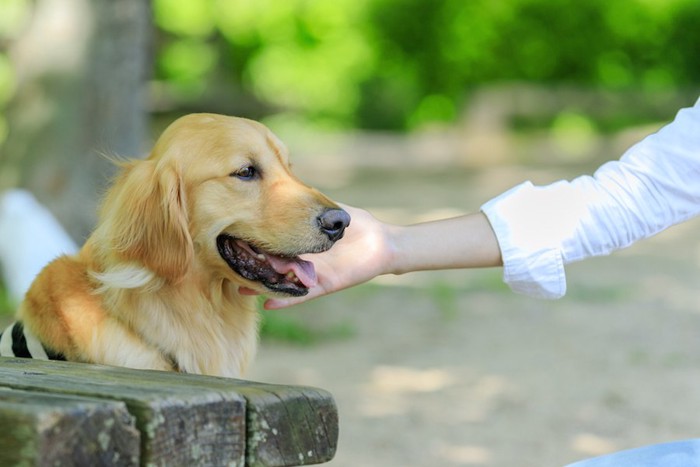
(261, 257)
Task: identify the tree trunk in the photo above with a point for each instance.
(82, 66)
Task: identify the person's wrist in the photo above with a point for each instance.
(393, 240)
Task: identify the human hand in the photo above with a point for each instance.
(362, 254)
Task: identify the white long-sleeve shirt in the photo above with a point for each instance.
(654, 185)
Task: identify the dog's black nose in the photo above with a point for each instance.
(333, 223)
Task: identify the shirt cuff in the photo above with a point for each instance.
(533, 268)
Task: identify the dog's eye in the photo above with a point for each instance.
(246, 173)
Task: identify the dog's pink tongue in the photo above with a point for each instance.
(304, 270)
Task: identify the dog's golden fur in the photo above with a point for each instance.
(150, 289)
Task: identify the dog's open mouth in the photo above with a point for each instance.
(288, 275)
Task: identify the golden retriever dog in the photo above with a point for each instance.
(184, 240)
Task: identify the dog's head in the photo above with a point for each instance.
(217, 195)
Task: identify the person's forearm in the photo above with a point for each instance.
(460, 242)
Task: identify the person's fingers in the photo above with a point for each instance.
(279, 303)
(350, 262)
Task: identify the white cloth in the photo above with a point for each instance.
(30, 237)
(654, 185)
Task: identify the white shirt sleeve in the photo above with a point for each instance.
(654, 185)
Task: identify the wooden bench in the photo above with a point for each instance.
(58, 413)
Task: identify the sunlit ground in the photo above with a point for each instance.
(451, 368)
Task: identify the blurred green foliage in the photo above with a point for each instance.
(12, 16)
(398, 64)
(6, 305)
(293, 330)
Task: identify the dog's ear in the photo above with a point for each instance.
(147, 215)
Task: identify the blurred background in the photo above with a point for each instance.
(415, 110)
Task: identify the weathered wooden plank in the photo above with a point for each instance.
(289, 425)
(286, 425)
(49, 429)
(180, 424)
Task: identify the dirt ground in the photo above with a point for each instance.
(451, 368)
